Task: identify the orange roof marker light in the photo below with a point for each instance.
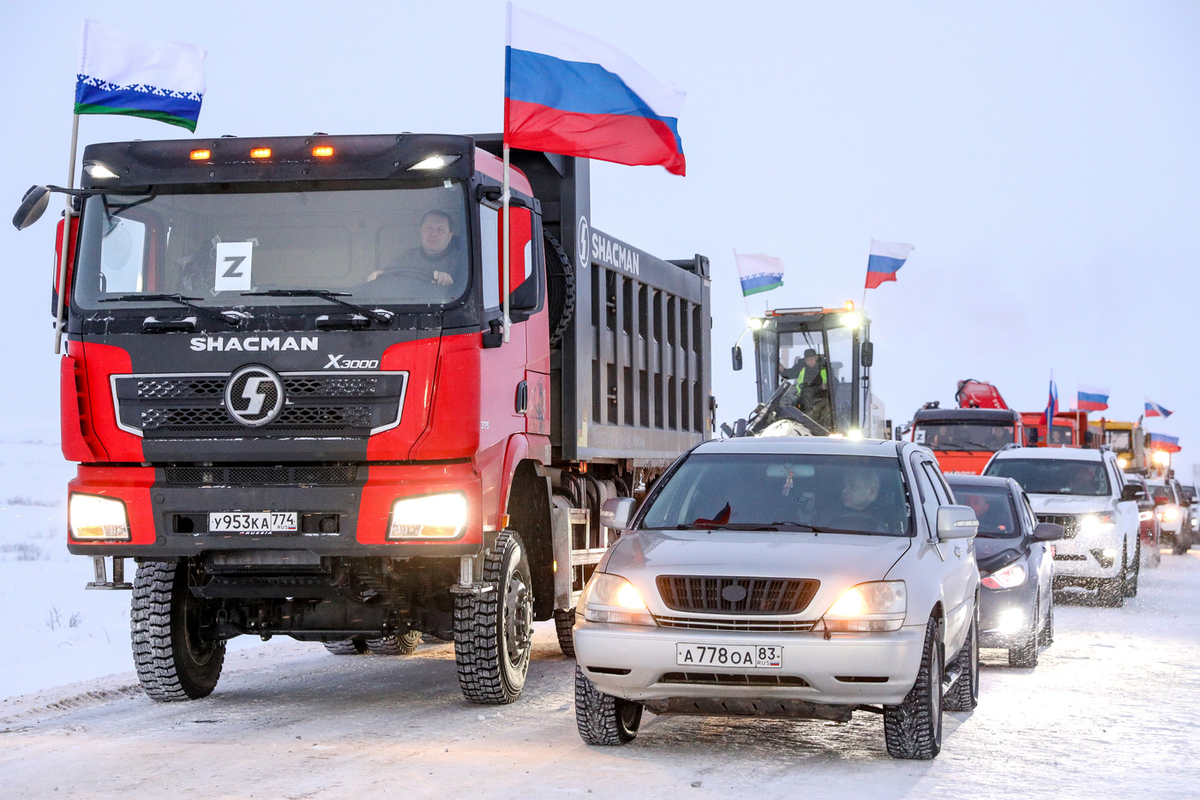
(322, 151)
(260, 152)
(849, 305)
(201, 155)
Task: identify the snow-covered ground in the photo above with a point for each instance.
(1110, 711)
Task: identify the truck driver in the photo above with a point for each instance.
(439, 255)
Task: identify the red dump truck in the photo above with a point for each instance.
(295, 405)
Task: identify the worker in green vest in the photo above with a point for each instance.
(812, 385)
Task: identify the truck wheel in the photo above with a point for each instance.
(1131, 575)
(174, 660)
(493, 631)
(564, 624)
(964, 695)
(346, 647)
(913, 729)
(1025, 654)
(601, 718)
(395, 645)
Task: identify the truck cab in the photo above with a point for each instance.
(963, 439)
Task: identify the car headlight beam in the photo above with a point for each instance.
(432, 516)
(97, 519)
(874, 606)
(611, 598)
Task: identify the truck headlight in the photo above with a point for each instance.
(611, 598)
(434, 516)
(875, 606)
(93, 518)
(1007, 578)
(1097, 523)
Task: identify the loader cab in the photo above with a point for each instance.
(832, 385)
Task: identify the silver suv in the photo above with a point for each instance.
(1085, 492)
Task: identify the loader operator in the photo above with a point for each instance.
(439, 255)
(812, 386)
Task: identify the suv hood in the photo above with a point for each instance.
(838, 561)
(1068, 503)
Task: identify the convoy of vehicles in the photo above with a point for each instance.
(1085, 492)
(785, 577)
(1172, 515)
(297, 403)
(1016, 608)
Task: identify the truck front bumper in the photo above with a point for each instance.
(848, 669)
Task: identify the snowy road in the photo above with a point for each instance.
(1110, 712)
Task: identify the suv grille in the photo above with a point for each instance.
(273, 474)
(729, 595)
(1070, 523)
(746, 625)
(731, 679)
(193, 406)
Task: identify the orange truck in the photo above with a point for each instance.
(1070, 429)
(964, 438)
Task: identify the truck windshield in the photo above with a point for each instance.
(963, 436)
(783, 492)
(379, 246)
(1120, 440)
(1053, 476)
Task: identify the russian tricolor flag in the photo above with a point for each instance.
(1051, 408)
(1160, 441)
(1155, 410)
(885, 259)
(1092, 399)
(569, 93)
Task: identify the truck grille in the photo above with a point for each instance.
(749, 595)
(284, 475)
(1069, 522)
(346, 405)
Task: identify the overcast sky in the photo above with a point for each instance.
(1044, 159)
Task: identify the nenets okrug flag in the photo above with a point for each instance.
(758, 272)
(885, 259)
(569, 93)
(123, 75)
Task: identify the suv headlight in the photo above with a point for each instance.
(1097, 523)
(875, 606)
(434, 516)
(1169, 513)
(611, 598)
(1007, 578)
(95, 519)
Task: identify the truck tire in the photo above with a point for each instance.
(173, 660)
(964, 695)
(913, 729)
(395, 645)
(1025, 654)
(601, 718)
(1131, 575)
(564, 624)
(346, 647)
(493, 631)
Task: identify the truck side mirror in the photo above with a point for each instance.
(737, 357)
(33, 205)
(617, 512)
(867, 356)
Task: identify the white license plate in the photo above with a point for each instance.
(252, 522)
(758, 656)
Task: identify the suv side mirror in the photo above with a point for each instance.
(1133, 492)
(956, 522)
(1048, 532)
(617, 512)
(737, 357)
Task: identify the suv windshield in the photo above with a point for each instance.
(1053, 476)
(963, 435)
(993, 508)
(782, 491)
(391, 246)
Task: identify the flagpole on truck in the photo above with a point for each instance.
(507, 266)
(62, 255)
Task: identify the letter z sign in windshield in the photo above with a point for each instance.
(233, 266)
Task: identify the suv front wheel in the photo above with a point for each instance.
(913, 729)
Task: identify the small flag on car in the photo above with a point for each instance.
(885, 259)
(1155, 410)
(569, 93)
(120, 74)
(1091, 399)
(758, 272)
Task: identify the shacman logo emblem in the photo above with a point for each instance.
(254, 395)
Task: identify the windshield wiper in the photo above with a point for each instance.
(382, 316)
(230, 317)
